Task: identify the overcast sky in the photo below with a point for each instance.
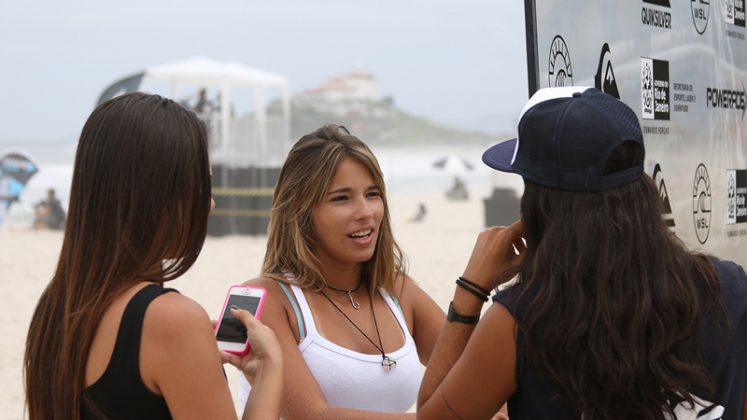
(453, 62)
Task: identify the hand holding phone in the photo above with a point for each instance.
(230, 332)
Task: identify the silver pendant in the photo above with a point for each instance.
(355, 304)
(388, 363)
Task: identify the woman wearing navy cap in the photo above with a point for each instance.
(611, 316)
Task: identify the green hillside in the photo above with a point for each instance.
(379, 123)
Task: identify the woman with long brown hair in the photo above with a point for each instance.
(611, 316)
(354, 328)
(107, 340)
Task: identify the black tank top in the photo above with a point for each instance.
(120, 392)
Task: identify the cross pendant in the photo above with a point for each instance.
(388, 363)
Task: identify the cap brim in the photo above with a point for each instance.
(500, 156)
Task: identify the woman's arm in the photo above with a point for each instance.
(179, 359)
(472, 375)
(302, 396)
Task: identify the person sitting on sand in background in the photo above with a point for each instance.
(106, 339)
(49, 213)
(611, 317)
(354, 328)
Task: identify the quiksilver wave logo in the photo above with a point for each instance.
(559, 69)
(656, 17)
(666, 215)
(604, 80)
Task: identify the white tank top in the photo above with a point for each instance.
(357, 380)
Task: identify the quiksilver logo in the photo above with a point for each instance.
(656, 17)
(604, 80)
(664, 195)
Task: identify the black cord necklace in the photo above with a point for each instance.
(386, 361)
(353, 302)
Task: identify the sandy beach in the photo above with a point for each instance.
(437, 250)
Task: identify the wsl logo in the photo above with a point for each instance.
(604, 80)
(654, 89)
(656, 17)
(664, 195)
(702, 203)
(560, 70)
(700, 11)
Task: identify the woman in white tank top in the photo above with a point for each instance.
(354, 328)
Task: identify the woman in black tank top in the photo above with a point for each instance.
(106, 340)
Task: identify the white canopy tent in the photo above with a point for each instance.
(205, 72)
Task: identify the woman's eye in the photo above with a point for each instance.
(339, 198)
(374, 194)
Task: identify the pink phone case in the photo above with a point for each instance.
(256, 315)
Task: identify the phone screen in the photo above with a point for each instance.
(231, 329)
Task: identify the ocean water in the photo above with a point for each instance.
(407, 170)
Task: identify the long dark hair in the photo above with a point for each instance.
(302, 183)
(138, 209)
(613, 299)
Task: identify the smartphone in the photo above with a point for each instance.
(229, 331)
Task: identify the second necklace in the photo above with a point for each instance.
(386, 362)
(353, 302)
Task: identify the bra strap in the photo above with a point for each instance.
(296, 310)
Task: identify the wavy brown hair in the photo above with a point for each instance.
(138, 209)
(613, 299)
(303, 182)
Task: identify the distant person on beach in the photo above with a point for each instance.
(354, 328)
(420, 214)
(107, 340)
(203, 106)
(612, 317)
(49, 213)
(458, 190)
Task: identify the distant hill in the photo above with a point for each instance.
(378, 123)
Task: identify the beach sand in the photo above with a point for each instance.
(437, 251)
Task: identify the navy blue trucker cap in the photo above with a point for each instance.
(566, 136)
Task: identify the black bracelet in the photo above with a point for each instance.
(452, 316)
(475, 285)
(482, 296)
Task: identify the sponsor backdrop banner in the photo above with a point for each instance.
(682, 66)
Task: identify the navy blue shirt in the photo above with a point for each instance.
(727, 363)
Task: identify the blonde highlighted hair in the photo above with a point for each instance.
(303, 182)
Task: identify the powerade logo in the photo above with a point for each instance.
(605, 80)
(734, 12)
(701, 9)
(559, 69)
(654, 89)
(656, 17)
(726, 99)
(702, 203)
